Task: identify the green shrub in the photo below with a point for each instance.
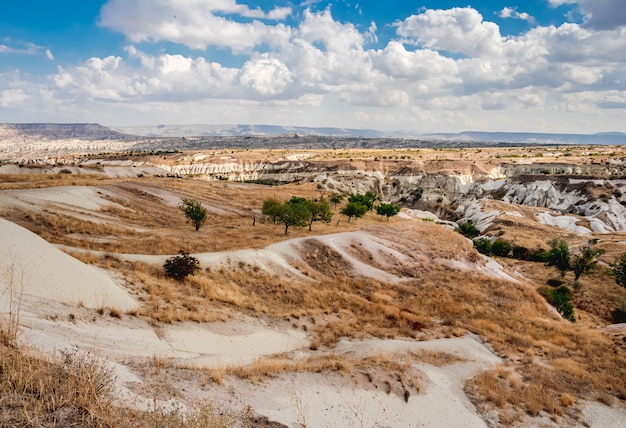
(468, 229)
(483, 246)
(520, 252)
(618, 269)
(538, 255)
(500, 248)
(560, 298)
(553, 282)
(559, 255)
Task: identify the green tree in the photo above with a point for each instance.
(585, 260)
(271, 210)
(366, 199)
(618, 269)
(354, 209)
(336, 198)
(193, 211)
(320, 211)
(388, 210)
(181, 266)
(558, 255)
(295, 212)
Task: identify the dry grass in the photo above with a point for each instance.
(78, 389)
(437, 358)
(393, 373)
(42, 180)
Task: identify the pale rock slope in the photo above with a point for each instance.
(51, 274)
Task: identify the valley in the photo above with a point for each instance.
(362, 323)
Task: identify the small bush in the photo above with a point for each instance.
(619, 314)
(560, 299)
(483, 246)
(520, 252)
(181, 266)
(65, 171)
(500, 248)
(537, 255)
(468, 229)
(553, 282)
(618, 269)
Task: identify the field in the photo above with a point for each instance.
(391, 323)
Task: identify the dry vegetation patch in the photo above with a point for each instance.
(78, 389)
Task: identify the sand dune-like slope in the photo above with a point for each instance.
(51, 274)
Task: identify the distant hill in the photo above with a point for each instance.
(199, 130)
(610, 138)
(63, 131)
(96, 132)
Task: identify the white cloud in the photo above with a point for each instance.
(12, 97)
(49, 54)
(22, 48)
(457, 30)
(370, 34)
(511, 12)
(266, 76)
(444, 69)
(557, 3)
(193, 23)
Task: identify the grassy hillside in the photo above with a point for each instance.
(402, 279)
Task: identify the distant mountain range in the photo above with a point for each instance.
(94, 131)
(63, 131)
(530, 138)
(198, 130)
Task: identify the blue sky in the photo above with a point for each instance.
(423, 66)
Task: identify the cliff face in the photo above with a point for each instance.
(589, 190)
(591, 187)
(37, 141)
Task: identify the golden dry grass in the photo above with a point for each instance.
(78, 389)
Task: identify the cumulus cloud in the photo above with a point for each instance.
(324, 56)
(443, 67)
(194, 23)
(266, 76)
(457, 30)
(370, 34)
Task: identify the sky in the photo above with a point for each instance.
(397, 65)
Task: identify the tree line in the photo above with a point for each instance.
(301, 212)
